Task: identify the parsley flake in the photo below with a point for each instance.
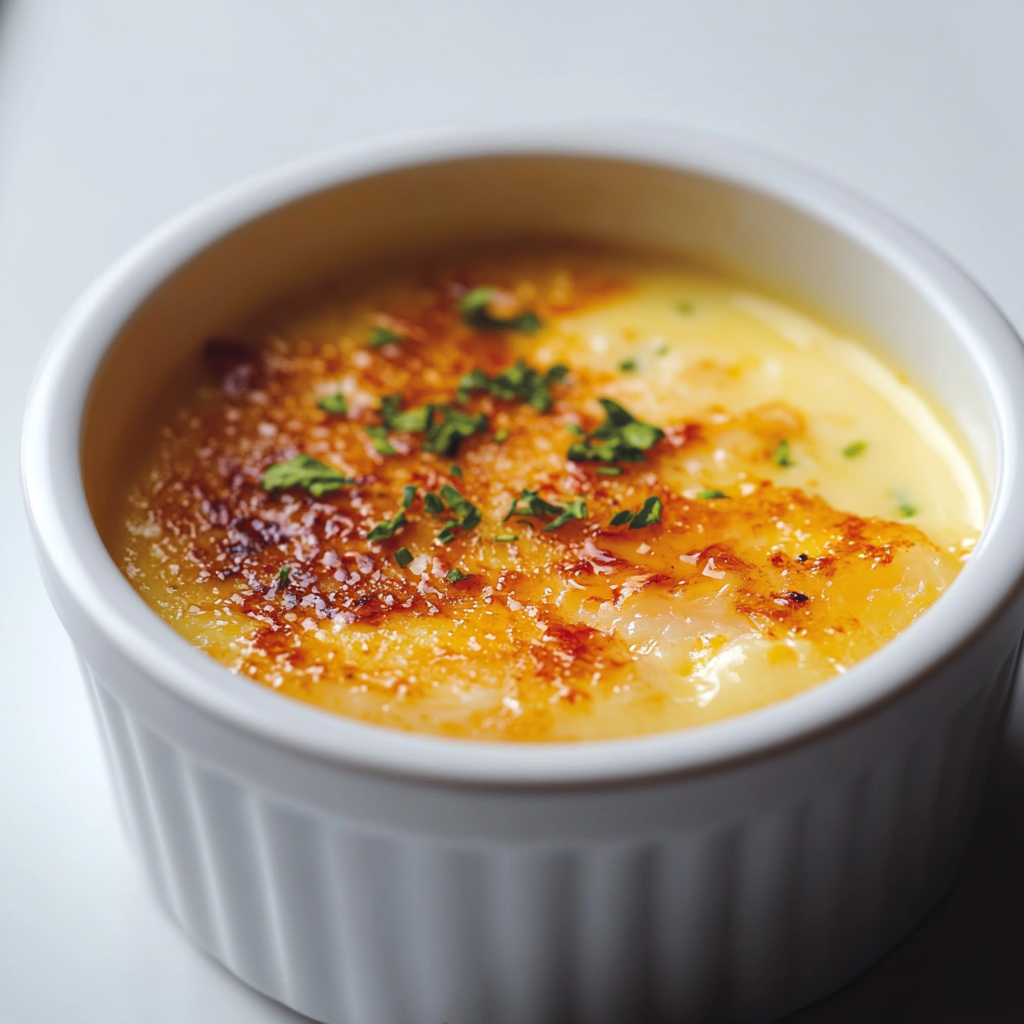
(477, 311)
(620, 438)
(381, 336)
(506, 538)
(907, 510)
(647, 515)
(627, 365)
(445, 437)
(379, 438)
(284, 577)
(457, 575)
(851, 451)
(386, 530)
(530, 503)
(304, 471)
(467, 515)
(575, 429)
(408, 495)
(783, 456)
(410, 421)
(500, 436)
(403, 556)
(456, 471)
(609, 470)
(336, 405)
(519, 382)
(685, 307)
(711, 495)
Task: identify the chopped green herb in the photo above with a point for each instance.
(381, 336)
(620, 438)
(457, 575)
(851, 451)
(386, 529)
(475, 307)
(783, 456)
(500, 436)
(304, 471)
(506, 538)
(907, 510)
(530, 503)
(403, 556)
(685, 307)
(662, 350)
(336, 405)
(408, 495)
(379, 437)
(467, 514)
(627, 365)
(575, 429)
(284, 577)
(455, 471)
(711, 495)
(609, 470)
(445, 437)
(411, 421)
(519, 382)
(648, 514)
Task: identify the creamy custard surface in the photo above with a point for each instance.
(406, 503)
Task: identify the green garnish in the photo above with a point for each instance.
(648, 514)
(445, 437)
(284, 577)
(575, 429)
(408, 495)
(336, 405)
(386, 529)
(685, 307)
(455, 471)
(381, 336)
(457, 575)
(500, 436)
(662, 350)
(530, 503)
(475, 309)
(907, 510)
(467, 514)
(519, 382)
(609, 470)
(851, 451)
(506, 538)
(304, 471)
(783, 456)
(411, 421)
(403, 556)
(620, 438)
(627, 365)
(711, 495)
(432, 503)
(379, 438)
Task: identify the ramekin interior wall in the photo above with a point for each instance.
(400, 213)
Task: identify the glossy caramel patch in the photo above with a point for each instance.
(746, 591)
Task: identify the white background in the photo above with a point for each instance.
(114, 114)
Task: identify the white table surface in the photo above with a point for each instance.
(114, 114)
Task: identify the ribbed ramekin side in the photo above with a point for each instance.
(736, 920)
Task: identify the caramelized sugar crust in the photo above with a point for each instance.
(585, 631)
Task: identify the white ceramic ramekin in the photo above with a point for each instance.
(364, 876)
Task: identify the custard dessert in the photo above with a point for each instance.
(544, 495)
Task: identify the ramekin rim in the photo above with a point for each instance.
(71, 546)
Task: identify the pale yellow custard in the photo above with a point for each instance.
(759, 504)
